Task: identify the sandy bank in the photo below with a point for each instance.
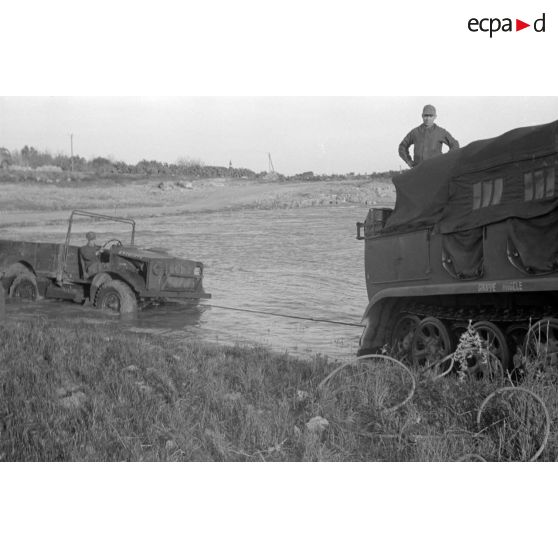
(31, 203)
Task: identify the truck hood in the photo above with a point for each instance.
(144, 254)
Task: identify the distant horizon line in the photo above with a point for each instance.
(28, 152)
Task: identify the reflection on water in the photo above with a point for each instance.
(303, 262)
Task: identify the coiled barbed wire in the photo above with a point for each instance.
(391, 409)
(517, 389)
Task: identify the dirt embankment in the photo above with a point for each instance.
(31, 202)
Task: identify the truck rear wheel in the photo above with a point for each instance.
(24, 286)
(116, 297)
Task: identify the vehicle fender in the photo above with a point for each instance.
(134, 280)
(13, 267)
(131, 279)
(377, 319)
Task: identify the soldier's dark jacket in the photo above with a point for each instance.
(428, 143)
(89, 255)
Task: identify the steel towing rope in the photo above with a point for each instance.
(281, 315)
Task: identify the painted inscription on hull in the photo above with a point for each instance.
(505, 287)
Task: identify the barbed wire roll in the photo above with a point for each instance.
(540, 402)
(409, 396)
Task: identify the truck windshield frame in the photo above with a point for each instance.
(97, 216)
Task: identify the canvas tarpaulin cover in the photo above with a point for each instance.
(440, 192)
(535, 242)
(463, 254)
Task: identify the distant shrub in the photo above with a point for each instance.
(49, 168)
(31, 158)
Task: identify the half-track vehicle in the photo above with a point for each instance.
(125, 277)
(472, 240)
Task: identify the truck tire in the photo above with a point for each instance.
(116, 297)
(24, 286)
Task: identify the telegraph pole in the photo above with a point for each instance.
(72, 152)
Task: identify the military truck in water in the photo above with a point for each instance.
(473, 239)
(126, 276)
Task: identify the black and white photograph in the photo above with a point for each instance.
(265, 266)
(278, 278)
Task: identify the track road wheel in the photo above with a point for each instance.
(402, 336)
(432, 342)
(117, 297)
(494, 341)
(24, 287)
(541, 345)
(515, 335)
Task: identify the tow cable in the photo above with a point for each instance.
(281, 315)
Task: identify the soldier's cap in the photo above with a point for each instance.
(429, 110)
(90, 235)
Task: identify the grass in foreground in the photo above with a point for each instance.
(96, 394)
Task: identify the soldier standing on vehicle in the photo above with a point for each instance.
(427, 139)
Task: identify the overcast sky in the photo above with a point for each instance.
(321, 134)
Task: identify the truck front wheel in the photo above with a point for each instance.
(115, 296)
(24, 286)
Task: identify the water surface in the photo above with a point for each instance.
(299, 262)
